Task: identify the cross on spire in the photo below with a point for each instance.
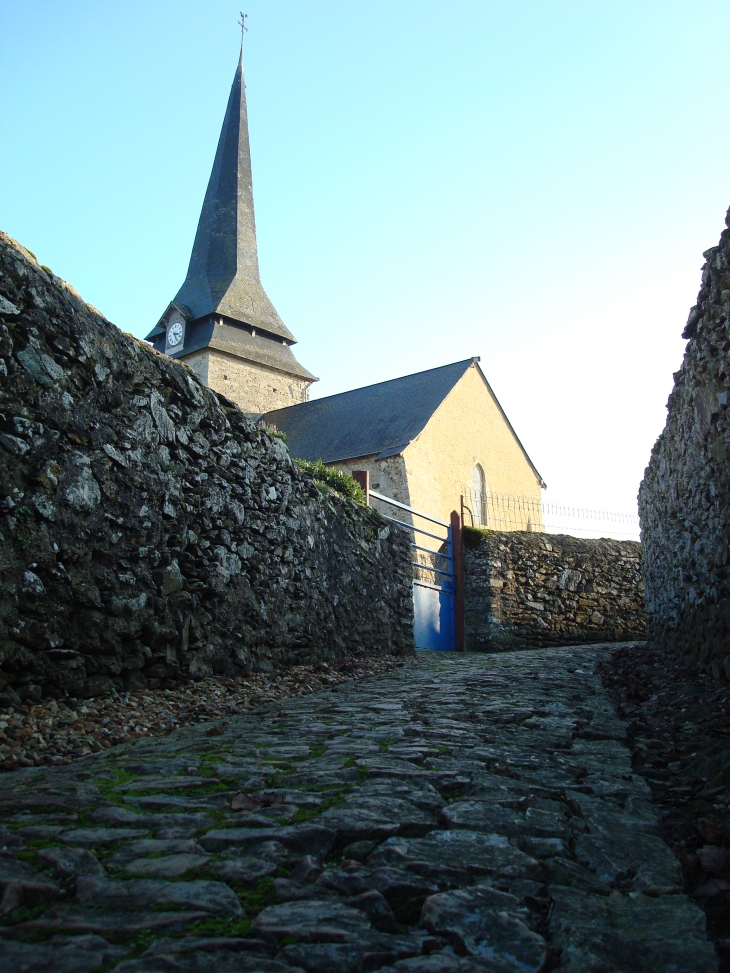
(242, 25)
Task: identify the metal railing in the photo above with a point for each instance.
(434, 577)
(499, 511)
(432, 567)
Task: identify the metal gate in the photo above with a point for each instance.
(434, 600)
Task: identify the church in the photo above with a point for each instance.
(427, 439)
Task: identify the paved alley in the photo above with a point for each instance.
(463, 814)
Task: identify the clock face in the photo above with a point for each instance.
(174, 334)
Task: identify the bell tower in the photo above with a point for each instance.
(221, 322)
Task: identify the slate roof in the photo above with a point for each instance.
(377, 420)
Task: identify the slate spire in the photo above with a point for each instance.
(223, 276)
(221, 321)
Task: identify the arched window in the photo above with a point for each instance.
(479, 495)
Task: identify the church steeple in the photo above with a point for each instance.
(223, 276)
(222, 304)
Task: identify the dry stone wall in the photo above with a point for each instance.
(149, 530)
(526, 590)
(684, 499)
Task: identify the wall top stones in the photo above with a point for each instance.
(149, 530)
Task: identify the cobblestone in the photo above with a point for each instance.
(463, 814)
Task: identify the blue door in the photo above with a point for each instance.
(433, 617)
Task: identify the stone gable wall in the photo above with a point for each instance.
(684, 499)
(527, 590)
(467, 428)
(149, 530)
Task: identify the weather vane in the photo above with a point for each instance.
(242, 25)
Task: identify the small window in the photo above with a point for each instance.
(479, 496)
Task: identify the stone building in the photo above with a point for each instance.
(684, 499)
(221, 322)
(426, 439)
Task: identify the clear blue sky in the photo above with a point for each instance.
(530, 182)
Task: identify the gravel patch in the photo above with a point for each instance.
(57, 732)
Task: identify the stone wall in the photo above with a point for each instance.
(527, 590)
(149, 530)
(684, 500)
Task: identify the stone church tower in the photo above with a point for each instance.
(221, 322)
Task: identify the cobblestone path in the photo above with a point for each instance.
(461, 814)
